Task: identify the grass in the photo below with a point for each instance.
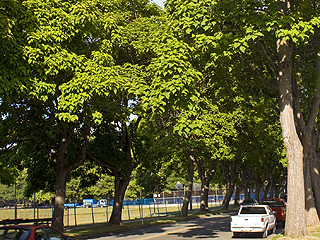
(82, 216)
(313, 233)
(152, 216)
(25, 213)
(105, 228)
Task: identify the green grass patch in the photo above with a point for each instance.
(277, 237)
(313, 233)
(106, 228)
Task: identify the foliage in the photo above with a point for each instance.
(14, 191)
(152, 88)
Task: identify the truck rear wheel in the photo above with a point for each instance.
(265, 233)
(236, 234)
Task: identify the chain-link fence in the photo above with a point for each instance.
(132, 209)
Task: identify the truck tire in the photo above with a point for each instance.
(265, 233)
(236, 234)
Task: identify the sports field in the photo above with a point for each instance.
(83, 215)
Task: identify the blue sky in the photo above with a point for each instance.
(159, 2)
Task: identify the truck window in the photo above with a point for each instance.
(253, 210)
(274, 203)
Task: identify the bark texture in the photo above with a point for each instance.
(314, 157)
(295, 221)
(237, 196)
(122, 175)
(258, 188)
(230, 176)
(311, 211)
(315, 170)
(62, 171)
(188, 194)
(120, 190)
(205, 178)
(59, 198)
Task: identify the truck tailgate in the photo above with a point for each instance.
(247, 221)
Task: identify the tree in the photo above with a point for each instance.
(10, 193)
(274, 30)
(89, 180)
(13, 71)
(71, 50)
(70, 68)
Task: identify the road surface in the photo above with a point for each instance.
(209, 227)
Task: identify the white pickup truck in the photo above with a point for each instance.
(258, 218)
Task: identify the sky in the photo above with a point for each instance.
(159, 2)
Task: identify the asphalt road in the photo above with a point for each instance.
(210, 227)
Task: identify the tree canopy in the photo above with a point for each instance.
(136, 90)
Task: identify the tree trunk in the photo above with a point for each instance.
(272, 189)
(315, 180)
(315, 169)
(205, 181)
(246, 177)
(62, 171)
(204, 197)
(311, 211)
(61, 179)
(227, 198)
(59, 198)
(120, 190)
(314, 160)
(258, 189)
(188, 194)
(237, 196)
(266, 190)
(276, 191)
(295, 221)
(229, 175)
(247, 190)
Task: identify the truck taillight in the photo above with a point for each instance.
(231, 220)
(262, 219)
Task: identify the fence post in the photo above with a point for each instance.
(34, 207)
(107, 211)
(15, 201)
(141, 217)
(158, 208)
(197, 202)
(128, 211)
(68, 216)
(92, 213)
(141, 212)
(165, 202)
(150, 210)
(75, 215)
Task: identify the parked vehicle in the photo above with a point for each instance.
(249, 202)
(103, 203)
(71, 205)
(31, 232)
(89, 202)
(258, 218)
(279, 206)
